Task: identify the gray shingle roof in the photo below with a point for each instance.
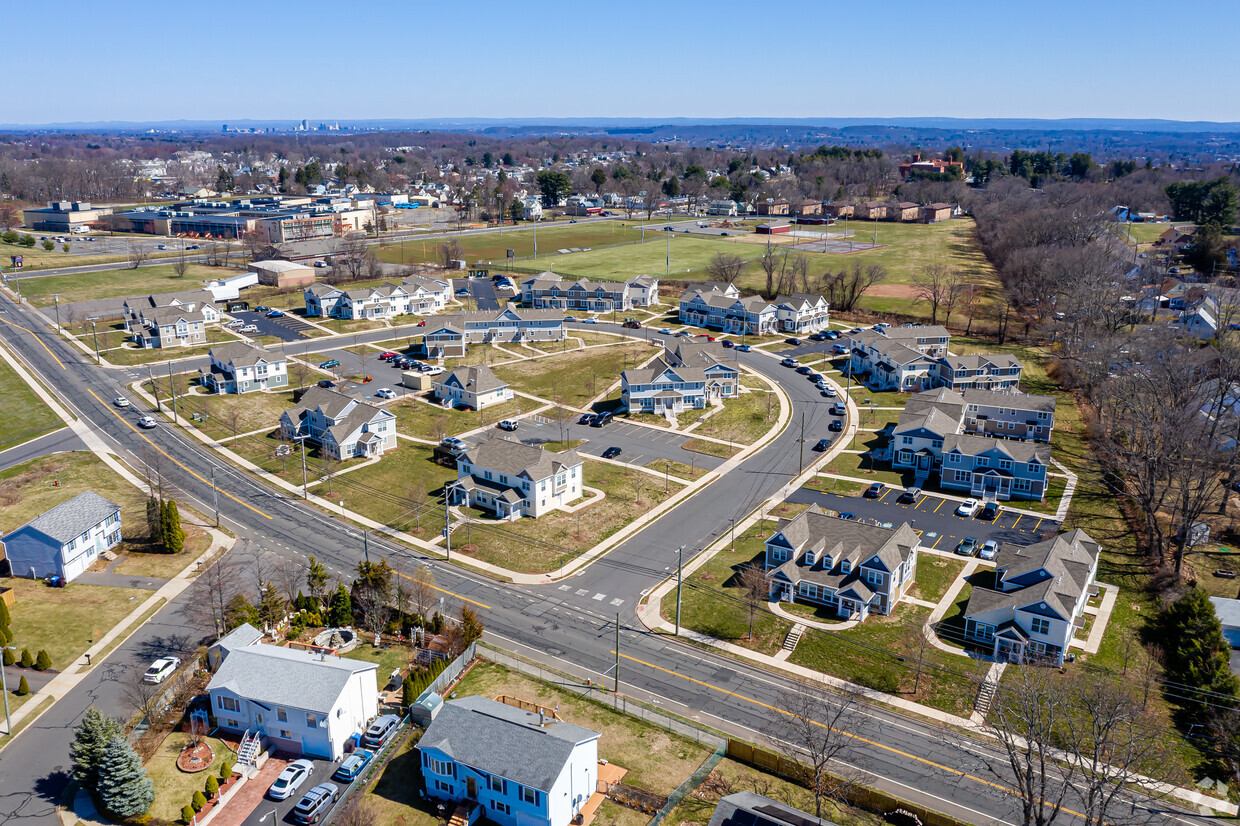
(1017, 450)
(977, 362)
(513, 458)
(503, 740)
(164, 316)
(240, 354)
(1065, 559)
(477, 379)
(276, 676)
(71, 519)
(1018, 401)
(842, 539)
(753, 809)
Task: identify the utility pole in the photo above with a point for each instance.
(215, 497)
(617, 674)
(305, 488)
(801, 463)
(173, 387)
(733, 521)
(447, 521)
(680, 579)
(95, 333)
(150, 374)
(366, 544)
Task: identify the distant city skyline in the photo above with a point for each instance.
(485, 59)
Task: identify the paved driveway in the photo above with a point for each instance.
(287, 327)
(934, 517)
(638, 445)
(482, 290)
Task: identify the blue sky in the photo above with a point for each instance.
(230, 60)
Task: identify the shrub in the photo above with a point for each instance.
(198, 802)
(187, 814)
(23, 688)
(49, 245)
(27, 661)
(9, 657)
(225, 770)
(213, 785)
(43, 661)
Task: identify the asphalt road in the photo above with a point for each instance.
(55, 442)
(288, 327)
(570, 625)
(638, 445)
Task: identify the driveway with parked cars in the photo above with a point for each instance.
(256, 806)
(638, 445)
(287, 327)
(482, 290)
(934, 518)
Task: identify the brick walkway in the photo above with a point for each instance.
(248, 798)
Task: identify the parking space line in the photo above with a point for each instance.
(884, 496)
(936, 542)
(1035, 527)
(919, 501)
(1017, 522)
(936, 509)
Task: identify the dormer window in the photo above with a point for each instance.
(810, 557)
(845, 566)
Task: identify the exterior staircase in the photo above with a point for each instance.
(985, 696)
(794, 637)
(250, 748)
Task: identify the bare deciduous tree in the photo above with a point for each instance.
(450, 251)
(290, 575)
(725, 268)
(936, 285)
(422, 594)
(755, 587)
(142, 696)
(846, 287)
(815, 722)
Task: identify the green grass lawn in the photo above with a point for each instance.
(25, 416)
(388, 659)
(67, 621)
(85, 286)
(657, 760)
(494, 245)
(399, 490)
(712, 602)
(38, 485)
(684, 471)
(935, 575)
(395, 797)
(720, 449)
(867, 655)
(573, 378)
(860, 466)
(544, 544)
(830, 484)
(432, 422)
(248, 411)
(173, 787)
(743, 420)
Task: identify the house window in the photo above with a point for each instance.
(282, 715)
(1005, 464)
(496, 784)
(937, 443)
(983, 631)
(312, 720)
(1040, 625)
(443, 787)
(981, 461)
(963, 476)
(845, 566)
(907, 440)
(810, 557)
(873, 577)
(442, 767)
(1035, 468)
(1021, 485)
(286, 734)
(500, 807)
(809, 589)
(229, 704)
(529, 795)
(779, 554)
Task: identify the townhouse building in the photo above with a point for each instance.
(474, 387)
(164, 327)
(423, 296)
(513, 479)
(519, 767)
(721, 310)
(450, 335)
(1038, 599)
(342, 426)
(991, 468)
(898, 358)
(847, 566)
(242, 368)
(981, 372)
(549, 290)
(802, 313)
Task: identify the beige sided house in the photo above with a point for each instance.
(514, 479)
(474, 387)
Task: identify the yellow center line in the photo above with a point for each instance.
(850, 735)
(174, 461)
(939, 505)
(449, 593)
(36, 338)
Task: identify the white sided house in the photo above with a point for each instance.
(450, 335)
(242, 368)
(551, 291)
(474, 387)
(413, 295)
(898, 358)
(292, 700)
(514, 479)
(802, 313)
(1038, 600)
(65, 540)
(847, 566)
(516, 767)
(342, 426)
(688, 376)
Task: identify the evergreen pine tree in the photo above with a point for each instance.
(23, 688)
(9, 657)
(124, 790)
(213, 785)
(1199, 659)
(174, 536)
(5, 618)
(90, 740)
(187, 814)
(409, 691)
(6, 636)
(27, 659)
(341, 613)
(225, 770)
(43, 661)
(199, 800)
(155, 520)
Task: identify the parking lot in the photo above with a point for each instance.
(638, 445)
(287, 327)
(252, 804)
(482, 290)
(934, 518)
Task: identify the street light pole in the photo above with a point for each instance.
(215, 497)
(305, 488)
(95, 333)
(4, 687)
(680, 578)
(56, 298)
(733, 521)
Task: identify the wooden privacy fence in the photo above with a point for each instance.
(856, 794)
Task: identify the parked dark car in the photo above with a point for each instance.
(804, 370)
(327, 383)
(822, 445)
(793, 341)
(611, 452)
(601, 419)
(875, 490)
(727, 344)
(990, 512)
(818, 337)
(836, 426)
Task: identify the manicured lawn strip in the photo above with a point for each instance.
(173, 787)
(684, 471)
(712, 603)
(494, 245)
(867, 655)
(402, 490)
(158, 355)
(711, 448)
(697, 808)
(39, 485)
(544, 544)
(253, 411)
(573, 378)
(151, 561)
(743, 420)
(388, 659)
(432, 422)
(143, 281)
(861, 466)
(657, 760)
(934, 576)
(25, 416)
(830, 484)
(395, 795)
(66, 621)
